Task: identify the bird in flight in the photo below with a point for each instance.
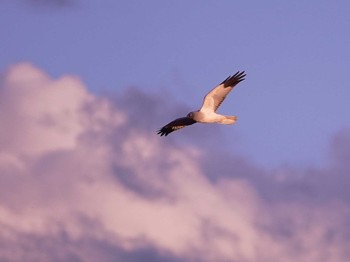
(207, 113)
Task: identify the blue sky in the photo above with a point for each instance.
(296, 55)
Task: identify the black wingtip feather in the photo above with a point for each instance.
(235, 79)
(164, 131)
(175, 125)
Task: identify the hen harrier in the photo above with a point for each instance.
(207, 113)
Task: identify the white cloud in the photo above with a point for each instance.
(74, 169)
(41, 114)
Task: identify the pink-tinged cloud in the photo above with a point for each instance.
(80, 180)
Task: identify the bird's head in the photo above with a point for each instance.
(190, 115)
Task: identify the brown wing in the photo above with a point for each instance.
(175, 125)
(215, 97)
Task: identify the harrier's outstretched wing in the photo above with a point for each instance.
(215, 97)
(175, 125)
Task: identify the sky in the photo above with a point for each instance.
(84, 85)
(296, 57)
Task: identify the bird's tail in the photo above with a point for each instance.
(228, 120)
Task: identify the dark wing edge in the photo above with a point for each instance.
(234, 80)
(175, 125)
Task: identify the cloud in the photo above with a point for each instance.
(85, 178)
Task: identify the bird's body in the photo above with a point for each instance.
(213, 117)
(207, 113)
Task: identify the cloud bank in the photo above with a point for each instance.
(84, 178)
